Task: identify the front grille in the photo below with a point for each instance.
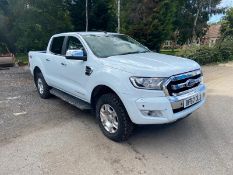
(183, 82)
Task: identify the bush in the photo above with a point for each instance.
(22, 58)
(3, 49)
(186, 51)
(206, 55)
(227, 50)
(169, 51)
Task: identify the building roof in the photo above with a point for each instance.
(213, 31)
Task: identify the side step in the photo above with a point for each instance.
(70, 99)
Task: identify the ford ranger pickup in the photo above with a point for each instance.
(120, 79)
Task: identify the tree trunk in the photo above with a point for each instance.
(194, 26)
(118, 16)
(86, 15)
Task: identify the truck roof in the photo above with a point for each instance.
(85, 33)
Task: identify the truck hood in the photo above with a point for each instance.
(151, 64)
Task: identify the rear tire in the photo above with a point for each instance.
(112, 117)
(42, 87)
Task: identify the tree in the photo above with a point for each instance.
(149, 20)
(101, 14)
(28, 24)
(6, 19)
(191, 18)
(40, 20)
(227, 24)
(33, 22)
(3, 49)
(227, 27)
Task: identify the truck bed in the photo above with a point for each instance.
(44, 51)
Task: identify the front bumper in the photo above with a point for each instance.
(162, 108)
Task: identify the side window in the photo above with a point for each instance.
(56, 45)
(74, 44)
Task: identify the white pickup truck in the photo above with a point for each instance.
(120, 79)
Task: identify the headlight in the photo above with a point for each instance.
(148, 83)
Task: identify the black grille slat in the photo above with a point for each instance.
(172, 91)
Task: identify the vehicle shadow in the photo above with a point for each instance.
(201, 132)
(151, 132)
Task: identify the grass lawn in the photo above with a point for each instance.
(169, 51)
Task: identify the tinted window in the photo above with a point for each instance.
(57, 44)
(74, 44)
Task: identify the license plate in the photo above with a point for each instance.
(192, 100)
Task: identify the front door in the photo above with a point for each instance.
(75, 78)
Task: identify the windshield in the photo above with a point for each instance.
(113, 44)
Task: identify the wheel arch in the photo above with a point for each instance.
(98, 91)
(36, 71)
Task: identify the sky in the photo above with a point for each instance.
(224, 3)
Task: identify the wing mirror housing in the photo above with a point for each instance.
(78, 54)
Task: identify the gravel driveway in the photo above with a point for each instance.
(52, 137)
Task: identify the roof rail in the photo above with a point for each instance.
(98, 31)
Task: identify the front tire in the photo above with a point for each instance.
(113, 119)
(42, 87)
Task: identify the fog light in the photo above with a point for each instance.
(152, 113)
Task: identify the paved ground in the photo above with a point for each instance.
(52, 137)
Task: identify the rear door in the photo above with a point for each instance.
(54, 59)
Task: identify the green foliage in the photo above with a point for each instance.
(170, 52)
(153, 22)
(149, 21)
(227, 26)
(6, 24)
(3, 49)
(22, 58)
(29, 24)
(221, 52)
(37, 24)
(101, 14)
(186, 51)
(207, 55)
(228, 21)
(191, 18)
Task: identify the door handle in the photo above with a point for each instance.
(47, 59)
(88, 71)
(63, 64)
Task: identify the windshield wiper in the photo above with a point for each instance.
(127, 53)
(145, 51)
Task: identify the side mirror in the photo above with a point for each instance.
(76, 55)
